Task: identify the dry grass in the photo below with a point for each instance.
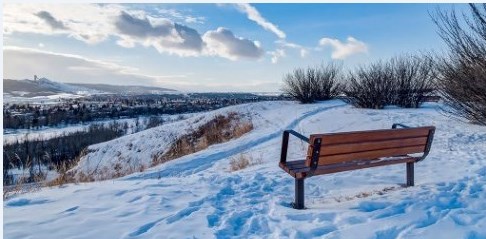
(242, 161)
(23, 186)
(220, 129)
(66, 176)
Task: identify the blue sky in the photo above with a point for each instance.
(206, 47)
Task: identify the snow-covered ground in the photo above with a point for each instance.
(197, 196)
(44, 133)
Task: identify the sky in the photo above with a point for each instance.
(206, 47)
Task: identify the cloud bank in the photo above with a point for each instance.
(128, 27)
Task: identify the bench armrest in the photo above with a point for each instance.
(301, 137)
(394, 126)
(285, 143)
(430, 138)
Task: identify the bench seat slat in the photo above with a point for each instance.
(327, 169)
(298, 169)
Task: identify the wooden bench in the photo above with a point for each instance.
(338, 152)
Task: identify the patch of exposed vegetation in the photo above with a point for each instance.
(220, 129)
(242, 161)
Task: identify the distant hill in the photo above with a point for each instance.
(126, 89)
(46, 87)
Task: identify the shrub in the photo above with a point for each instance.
(413, 78)
(404, 81)
(462, 82)
(313, 83)
(371, 86)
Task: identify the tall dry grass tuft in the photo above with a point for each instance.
(220, 129)
(242, 161)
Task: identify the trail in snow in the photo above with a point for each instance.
(207, 159)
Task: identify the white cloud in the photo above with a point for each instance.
(224, 43)
(94, 23)
(342, 50)
(163, 35)
(277, 54)
(303, 51)
(86, 22)
(24, 62)
(283, 47)
(255, 16)
(180, 16)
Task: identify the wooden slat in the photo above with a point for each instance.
(327, 169)
(372, 135)
(332, 159)
(293, 163)
(297, 169)
(373, 145)
(298, 166)
(341, 167)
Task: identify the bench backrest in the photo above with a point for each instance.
(367, 145)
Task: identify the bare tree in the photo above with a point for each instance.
(313, 83)
(413, 78)
(370, 86)
(404, 81)
(462, 79)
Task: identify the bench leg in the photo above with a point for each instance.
(299, 194)
(410, 177)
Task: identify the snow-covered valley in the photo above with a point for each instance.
(198, 196)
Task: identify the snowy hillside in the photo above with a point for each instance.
(66, 88)
(45, 89)
(137, 150)
(197, 196)
(42, 87)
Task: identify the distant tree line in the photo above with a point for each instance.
(29, 116)
(33, 155)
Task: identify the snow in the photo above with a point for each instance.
(138, 150)
(49, 99)
(19, 135)
(67, 88)
(196, 196)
